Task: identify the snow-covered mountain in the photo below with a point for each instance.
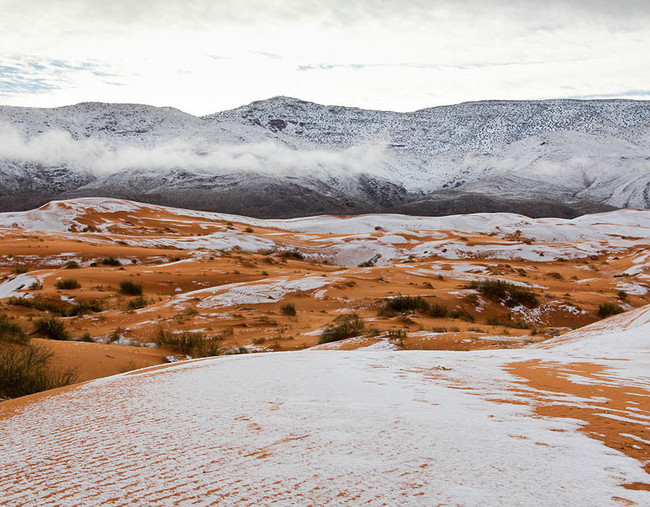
(287, 157)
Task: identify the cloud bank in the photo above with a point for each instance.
(57, 148)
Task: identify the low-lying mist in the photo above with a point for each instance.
(56, 148)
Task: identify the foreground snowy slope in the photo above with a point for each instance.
(335, 427)
(286, 157)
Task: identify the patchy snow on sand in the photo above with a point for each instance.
(10, 288)
(250, 293)
(377, 427)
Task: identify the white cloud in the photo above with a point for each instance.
(58, 148)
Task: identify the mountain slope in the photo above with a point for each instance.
(286, 157)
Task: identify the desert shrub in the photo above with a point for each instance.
(288, 309)
(437, 310)
(51, 327)
(370, 262)
(622, 295)
(36, 286)
(10, 331)
(462, 314)
(130, 288)
(292, 253)
(83, 307)
(26, 369)
(71, 265)
(136, 303)
(208, 347)
(506, 293)
(403, 304)
(185, 342)
(507, 321)
(344, 326)
(38, 303)
(249, 229)
(111, 261)
(556, 275)
(67, 284)
(608, 309)
(20, 270)
(397, 336)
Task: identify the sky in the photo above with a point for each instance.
(203, 56)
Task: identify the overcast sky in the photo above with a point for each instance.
(203, 56)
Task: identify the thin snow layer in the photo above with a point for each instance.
(246, 293)
(215, 241)
(626, 332)
(11, 287)
(306, 427)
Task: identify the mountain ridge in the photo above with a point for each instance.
(573, 156)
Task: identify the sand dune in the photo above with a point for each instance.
(477, 398)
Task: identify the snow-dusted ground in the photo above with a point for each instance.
(379, 427)
(349, 241)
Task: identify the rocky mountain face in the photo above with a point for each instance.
(285, 157)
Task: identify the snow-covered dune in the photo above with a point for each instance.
(321, 427)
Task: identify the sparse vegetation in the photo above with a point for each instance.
(19, 270)
(622, 295)
(10, 331)
(111, 261)
(51, 327)
(403, 304)
(26, 369)
(83, 307)
(71, 265)
(195, 344)
(462, 314)
(184, 341)
(67, 284)
(136, 303)
(344, 326)
(292, 253)
(608, 309)
(438, 311)
(506, 293)
(288, 309)
(130, 288)
(507, 321)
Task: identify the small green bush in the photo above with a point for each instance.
(506, 293)
(185, 342)
(51, 327)
(71, 265)
(130, 288)
(344, 326)
(83, 307)
(288, 309)
(10, 331)
(136, 303)
(26, 369)
(403, 304)
(608, 309)
(292, 253)
(437, 310)
(208, 347)
(111, 261)
(67, 284)
(460, 313)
